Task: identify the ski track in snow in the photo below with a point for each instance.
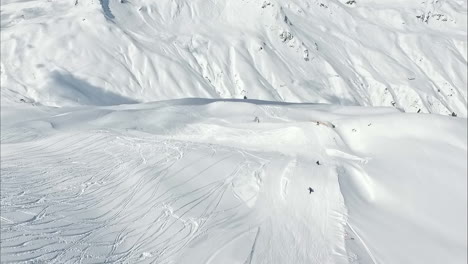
(97, 169)
(288, 171)
(85, 198)
(105, 196)
(128, 184)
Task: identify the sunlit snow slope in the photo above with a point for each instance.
(407, 54)
(109, 154)
(199, 181)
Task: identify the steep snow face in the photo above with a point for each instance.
(211, 181)
(407, 54)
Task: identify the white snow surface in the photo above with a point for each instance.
(199, 181)
(409, 54)
(124, 138)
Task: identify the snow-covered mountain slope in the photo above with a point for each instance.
(216, 181)
(103, 162)
(409, 54)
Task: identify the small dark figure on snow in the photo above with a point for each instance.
(453, 114)
(245, 97)
(318, 162)
(311, 190)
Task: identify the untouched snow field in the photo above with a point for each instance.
(105, 160)
(199, 181)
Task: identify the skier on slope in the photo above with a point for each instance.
(311, 190)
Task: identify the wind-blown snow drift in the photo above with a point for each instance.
(90, 173)
(199, 181)
(408, 54)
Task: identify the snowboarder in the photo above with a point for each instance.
(318, 162)
(311, 190)
(245, 97)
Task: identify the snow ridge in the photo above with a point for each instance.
(406, 55)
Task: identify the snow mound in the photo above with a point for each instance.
(226, 181)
